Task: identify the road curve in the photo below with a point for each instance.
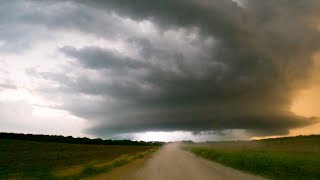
(173, 163)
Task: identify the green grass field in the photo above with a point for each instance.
(41, 160)
(282, 158)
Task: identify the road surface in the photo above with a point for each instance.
(173, 163)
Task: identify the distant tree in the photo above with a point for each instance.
(78, 140)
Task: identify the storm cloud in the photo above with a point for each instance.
(197, 66)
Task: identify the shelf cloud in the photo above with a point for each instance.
(147, 66)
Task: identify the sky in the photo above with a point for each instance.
(164, 70)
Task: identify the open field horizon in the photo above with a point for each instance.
(276, 158)
(111, 89)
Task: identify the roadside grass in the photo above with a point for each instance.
(275, 159)
(92, 169)
(41, 160)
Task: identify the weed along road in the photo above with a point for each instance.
(173, 163)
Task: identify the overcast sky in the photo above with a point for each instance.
(159, 69)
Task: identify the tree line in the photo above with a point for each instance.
(75, 140)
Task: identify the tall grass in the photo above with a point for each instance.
(288, 159)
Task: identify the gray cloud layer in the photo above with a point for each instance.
(224, 67)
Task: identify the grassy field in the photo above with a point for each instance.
(41, 160)
(282, 158)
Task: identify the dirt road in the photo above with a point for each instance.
(173, 163)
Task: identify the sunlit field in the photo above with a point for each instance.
(280, 158)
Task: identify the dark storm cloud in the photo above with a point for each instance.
(32, 20)
(261, 56)
(97, 58)
(219, 13)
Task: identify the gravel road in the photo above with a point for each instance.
(173, 163)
